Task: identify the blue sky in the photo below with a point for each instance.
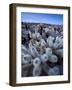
(42, 18)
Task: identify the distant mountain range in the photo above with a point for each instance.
(30, 23)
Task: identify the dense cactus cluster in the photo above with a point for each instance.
(41, 49)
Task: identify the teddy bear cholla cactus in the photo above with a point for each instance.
(42, 51)
(53, 71)
(37, 71)
(37, 67)
(37, 61)
(50, 41)
(58, 42)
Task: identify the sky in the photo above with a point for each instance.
(42, 18)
